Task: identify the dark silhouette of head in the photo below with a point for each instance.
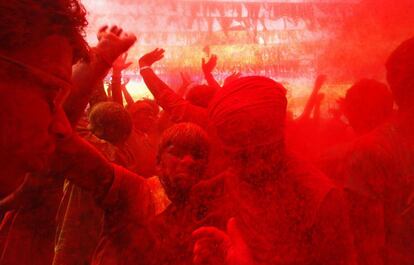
(144, 115)
(367, 104)
(201, 95)
(111, 122)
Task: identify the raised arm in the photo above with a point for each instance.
(231, 78)
(128, 98)
(208, 68)
(86, 75)
(119, 65)
(185, 83)
(313, 98)
(83, 165)
(179, 109)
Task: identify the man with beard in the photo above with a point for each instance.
(285, 211)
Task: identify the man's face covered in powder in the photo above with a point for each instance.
(181, 168)
(254, 146)
(257, 165)
(33, 118)
(248, 117)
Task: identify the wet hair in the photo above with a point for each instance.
(201, 95)
(185, 136)
(26, 22)
(401, 62)
(370, 101)
(110, 122)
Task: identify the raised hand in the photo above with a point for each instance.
(151, 57)
(231, 78)
(209, 66)
(185, 79)
(320, 80)
(214, 246)
(113, 43)
(121, 63)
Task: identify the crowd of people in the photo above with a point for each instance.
(206, 174)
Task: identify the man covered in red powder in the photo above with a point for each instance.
(79, 219)
(41, 40)
(379, 172)
(367, 105)
(36, 67)
(182, 160)
(285, 211)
